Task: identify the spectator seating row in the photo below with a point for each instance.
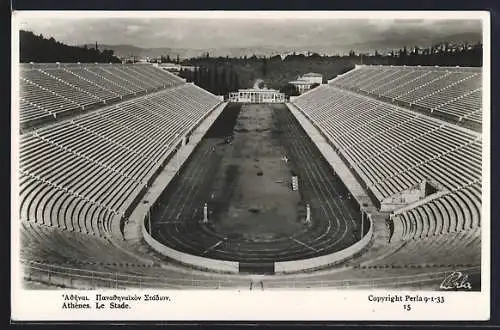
(90, 258)
(97, 262)
(449, 249)
(53, 254)
(47, 92)
(392, 149)
(50, 245)
(454, 212)
(452, 92)
(79, 173)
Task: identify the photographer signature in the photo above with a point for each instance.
(455, 280)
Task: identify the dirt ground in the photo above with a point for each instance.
(255, 181)
(242, 169)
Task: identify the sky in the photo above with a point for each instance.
(203, 33)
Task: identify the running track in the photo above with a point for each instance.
(336, 219)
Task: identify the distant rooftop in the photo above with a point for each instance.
(300, 82)
(169, 65)
(258, 90)
(312, 74)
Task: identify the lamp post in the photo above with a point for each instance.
(205, 213)
(308, 214)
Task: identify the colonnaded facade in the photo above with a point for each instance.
(257, 96)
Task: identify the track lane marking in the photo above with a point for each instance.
(213, 246)
(314, 170)
(303, 244)
(344, 210)
(185, 184)
(184, 190)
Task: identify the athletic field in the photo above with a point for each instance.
(243, 170)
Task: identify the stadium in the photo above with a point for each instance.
(134, 174)
(131, 177)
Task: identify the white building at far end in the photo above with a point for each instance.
(253, 95)
(304, 82)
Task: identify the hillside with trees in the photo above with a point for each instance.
(221, 75)
(38, 49)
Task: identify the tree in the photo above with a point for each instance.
(314, 56)
(275, 58)
(223, 81)
(236, 84)
(35, 48)
(264, 67)
(235, 73)
(215, 80)
(196, 76)
(203, 78)
(290, 90)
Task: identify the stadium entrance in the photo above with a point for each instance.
(263, 268)
(257, 96)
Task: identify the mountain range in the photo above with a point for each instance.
(130, 50)
(381, 44)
